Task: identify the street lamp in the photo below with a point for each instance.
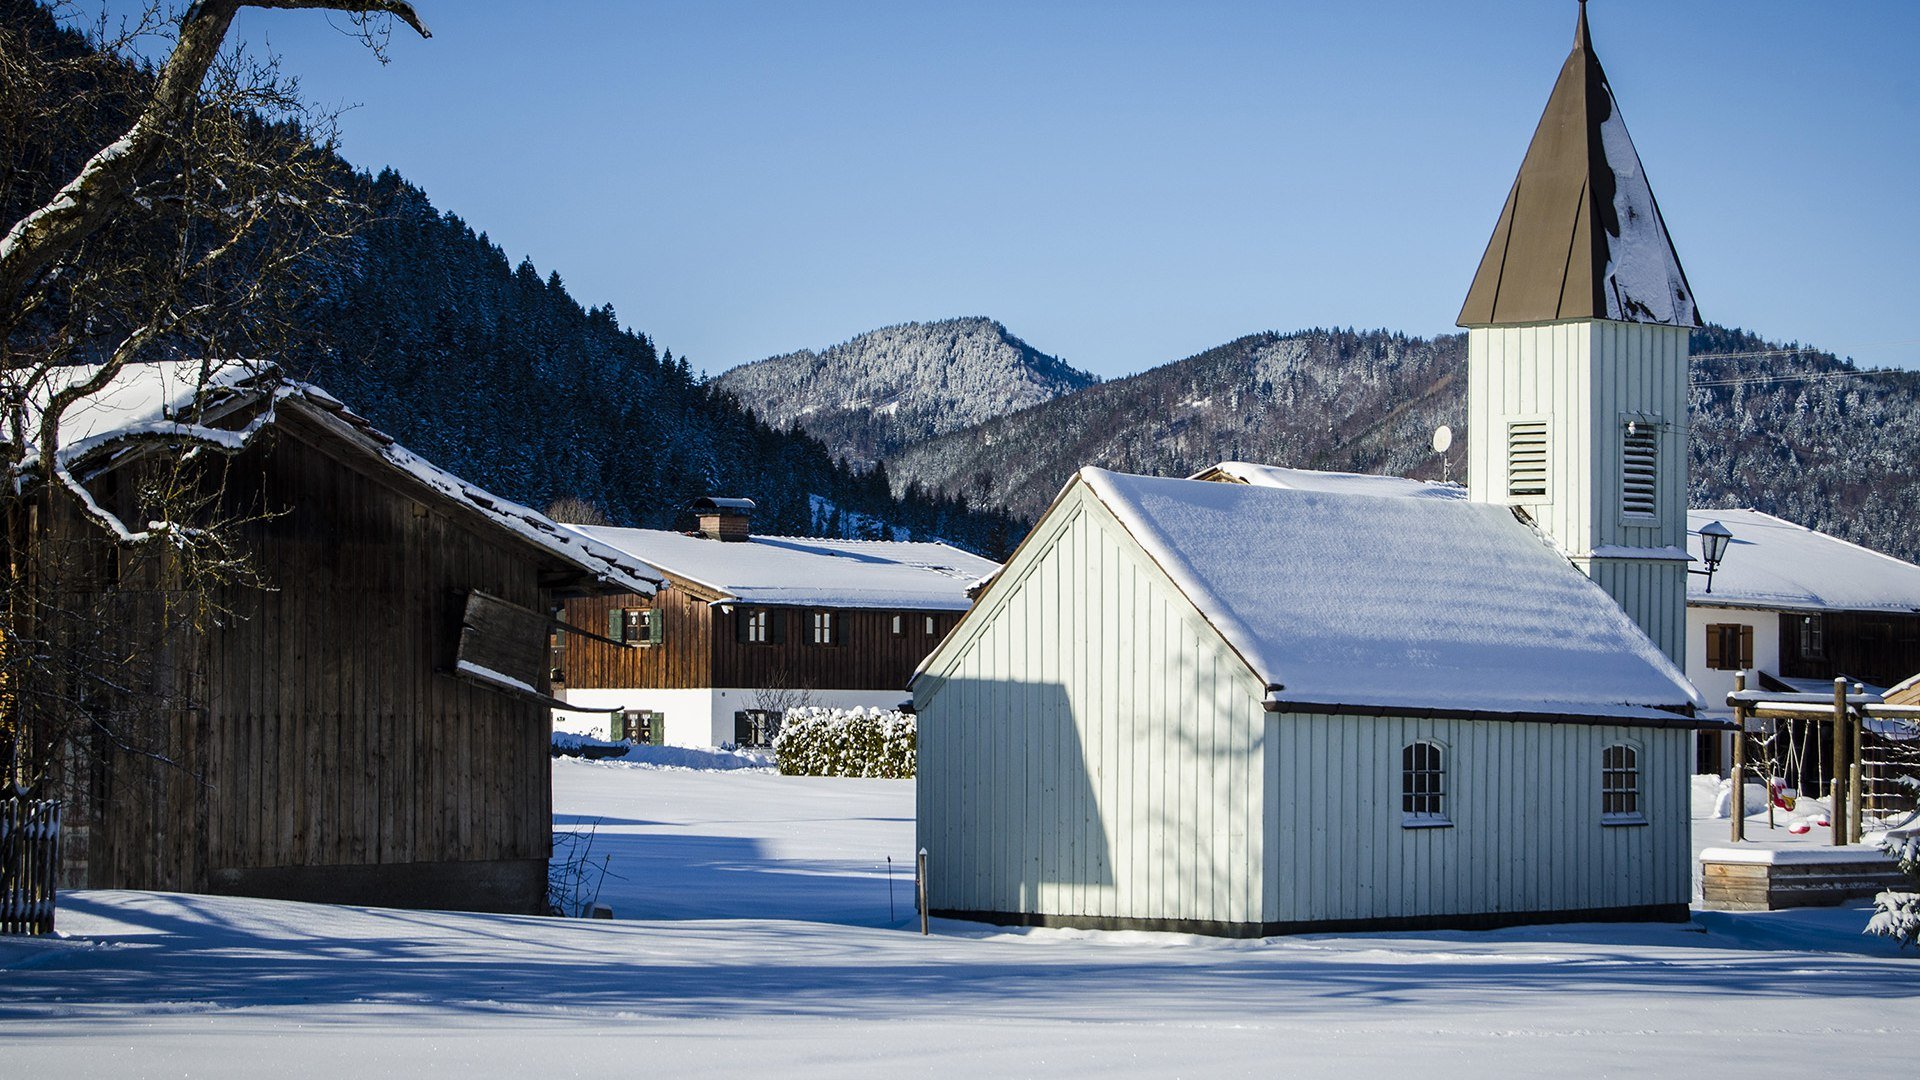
(1714, 538)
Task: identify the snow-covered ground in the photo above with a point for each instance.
(754, 938)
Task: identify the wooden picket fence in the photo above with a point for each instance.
(29, 861)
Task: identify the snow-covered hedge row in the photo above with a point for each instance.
(815, 741)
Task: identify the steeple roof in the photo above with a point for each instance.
(1581, 236)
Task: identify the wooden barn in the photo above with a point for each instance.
(1327, 701)
(367, 723)
(745, 626)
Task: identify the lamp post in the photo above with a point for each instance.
(1714, 538)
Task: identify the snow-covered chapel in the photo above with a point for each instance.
(1246, 709)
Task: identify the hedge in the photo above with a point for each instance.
(816, 741)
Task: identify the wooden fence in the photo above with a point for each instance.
(29, 861)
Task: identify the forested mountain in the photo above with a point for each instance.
(497, 373)
(872, 396)
(1793, 431)
(493, 370)
(1319, 399)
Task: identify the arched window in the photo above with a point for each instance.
(1423, 785)
(1620, 786)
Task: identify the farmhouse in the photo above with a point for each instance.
(747, 626)
(368, 723)
(1250, 709)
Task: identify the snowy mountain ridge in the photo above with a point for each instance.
(1792, 431)
(872, 395)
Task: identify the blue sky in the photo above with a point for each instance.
(1126, 184)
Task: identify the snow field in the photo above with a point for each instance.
(753, 937)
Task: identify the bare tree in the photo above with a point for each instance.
(194, 235)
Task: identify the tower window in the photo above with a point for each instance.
(1639, 469)
(1527, 459)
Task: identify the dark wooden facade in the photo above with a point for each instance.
(701, 646)
(1881, 648)
(323, 750)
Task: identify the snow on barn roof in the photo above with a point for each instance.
(158, 400)
(804, 571)
(1387, 602)
(1248, 472)
(1773, 563)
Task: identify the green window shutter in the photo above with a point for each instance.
(657, 729)
(777, 626)
(656, 625)
(742, 618)
(617, 624)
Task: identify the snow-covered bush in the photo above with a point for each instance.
(1897, 914)
(816, 741)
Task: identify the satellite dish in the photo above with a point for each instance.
(1442, 438)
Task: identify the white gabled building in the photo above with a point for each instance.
(1796, 608)
(1246, 710)
(1317, 701)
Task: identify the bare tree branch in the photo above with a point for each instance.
(107, 181)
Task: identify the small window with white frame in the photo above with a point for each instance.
(1620, 786)
(932, 626)
(823, 629)
(1423, 785)
(899, 626)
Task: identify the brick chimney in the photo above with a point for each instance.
(723, 519)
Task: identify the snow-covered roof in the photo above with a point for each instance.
(804, 571)
(1580, 236)
(1387, 602)
(157, 399)
(1773, 563)
(1338, 483)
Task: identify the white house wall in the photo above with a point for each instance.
(1089, 747)
(1524, 799)
(699, 717)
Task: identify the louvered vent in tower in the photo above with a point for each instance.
(1527, 459)
(1639, 469)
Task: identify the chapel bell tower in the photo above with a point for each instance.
(1577, 326)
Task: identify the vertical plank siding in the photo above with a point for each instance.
(324, 734)
(1092, 753)
(1587, 378)
(1526, 833)
(699, 647)
(1077, 763)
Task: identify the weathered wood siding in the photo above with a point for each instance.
(699, 648)
(683, 658)
(1524, 799)
(329, 734)
(1881, 647)
(1089, 747)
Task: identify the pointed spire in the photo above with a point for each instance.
(1580, 236)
